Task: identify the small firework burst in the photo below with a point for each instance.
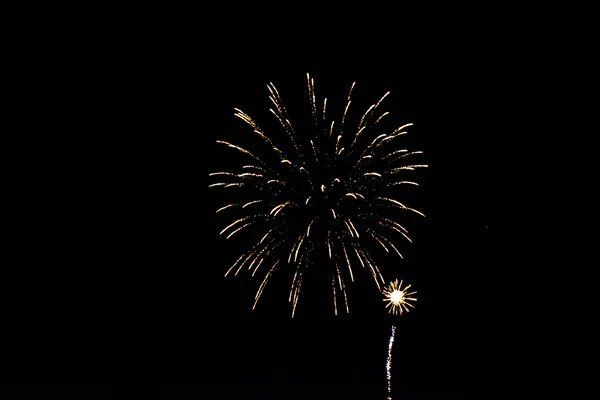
(398, 298)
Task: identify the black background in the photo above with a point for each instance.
(115, 285)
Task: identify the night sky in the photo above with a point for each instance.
(117, 289)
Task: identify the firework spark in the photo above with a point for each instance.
(318, 196)
(398, 298)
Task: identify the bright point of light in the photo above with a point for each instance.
(396, 296)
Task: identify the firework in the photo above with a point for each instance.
(319, 197)
(398, 298)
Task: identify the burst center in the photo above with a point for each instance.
(397, 296)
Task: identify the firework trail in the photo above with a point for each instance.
(388, 365)
(397, 299)
(322, 196)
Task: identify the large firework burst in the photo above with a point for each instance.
(323, 196)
